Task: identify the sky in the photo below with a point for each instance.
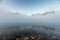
(8, 9)
(30, 6)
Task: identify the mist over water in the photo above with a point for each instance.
(9, 20)
(20, 24)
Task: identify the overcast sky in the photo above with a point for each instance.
(7, 7)
(30, 6)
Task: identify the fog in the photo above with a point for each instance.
(8, 19)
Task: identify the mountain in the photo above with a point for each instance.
(38, 14)
(50, 12)
(46, 13)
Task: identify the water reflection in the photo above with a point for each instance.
(29, 32)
